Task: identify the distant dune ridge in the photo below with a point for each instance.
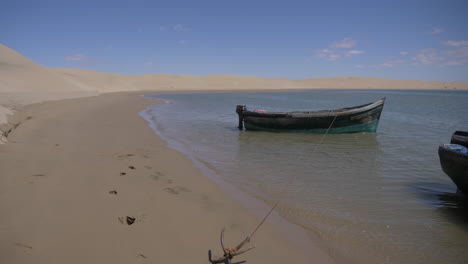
(20, 74)
(22, 81)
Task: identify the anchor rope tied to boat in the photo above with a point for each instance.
(230, 253)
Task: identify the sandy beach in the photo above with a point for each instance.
(77, 160)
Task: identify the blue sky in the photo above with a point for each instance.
(411, 39)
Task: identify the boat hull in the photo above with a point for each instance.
(363, 118)
(455, 164)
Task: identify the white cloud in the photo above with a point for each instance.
(461, 52)
(334, 57)
(404, 53)
(327, 54)
(335, 52)
(345, 43)
(77, 57)
(428, 56)
(451, 57)
(354, 52)
(323, 53)
(458, 56)
(454, 43)
(437, 30)
(390, 63)
(180, 27)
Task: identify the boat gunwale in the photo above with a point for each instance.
(460, 133)
(318, 113)
(443, 146)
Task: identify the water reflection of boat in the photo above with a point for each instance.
(460, 138)
(454, 162)
(362, 118)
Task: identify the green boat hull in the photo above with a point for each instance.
(363, 118)
(370, 127)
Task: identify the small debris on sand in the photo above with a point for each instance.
(130, 220)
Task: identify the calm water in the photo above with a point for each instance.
(369, 197)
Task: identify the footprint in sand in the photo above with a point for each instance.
(148, 167)
(141, 258)
(25, 247)
(36, 176)
(176, 189)
(156, 175)
(171, 190)
(124, 156)
(169, 181)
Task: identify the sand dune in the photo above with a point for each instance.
(109, 82)
(24, 82)
(20, 74)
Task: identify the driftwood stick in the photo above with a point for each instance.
(222, 242)
(220, 260)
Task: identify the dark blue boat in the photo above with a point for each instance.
(460, 138)
(454, 162)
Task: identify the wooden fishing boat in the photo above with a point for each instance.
(362, 118)
(460, 138)
(454, 162)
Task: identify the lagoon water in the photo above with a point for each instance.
(369, 197)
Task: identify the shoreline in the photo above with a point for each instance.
(61, 164)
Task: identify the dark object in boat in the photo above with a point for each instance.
(460, 138)
(454, 162)
(362, 118)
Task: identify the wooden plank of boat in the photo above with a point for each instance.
(454, 162)
(362, 118)
(460, 138)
